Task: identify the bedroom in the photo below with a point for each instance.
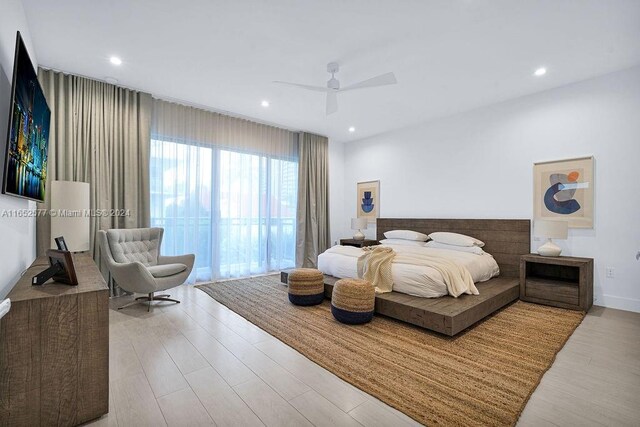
(456, 137)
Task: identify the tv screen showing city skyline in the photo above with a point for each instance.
(26, 156)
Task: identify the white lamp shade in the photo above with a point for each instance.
(358, 223)
(70, 214)
(552, 229)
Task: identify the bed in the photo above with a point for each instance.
(412, 278)
(505, 239)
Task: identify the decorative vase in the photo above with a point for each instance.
(367, 202)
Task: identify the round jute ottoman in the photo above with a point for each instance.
(353, 301)
(306, 286)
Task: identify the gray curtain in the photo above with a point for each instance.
(313, 235)
(100, 134)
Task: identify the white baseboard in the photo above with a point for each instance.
(620, 303)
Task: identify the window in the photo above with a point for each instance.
(236, 211)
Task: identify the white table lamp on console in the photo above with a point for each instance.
(551, 229)
(358, 224)
(70, 203)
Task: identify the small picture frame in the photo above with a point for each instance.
(61, 244)
(65, 260)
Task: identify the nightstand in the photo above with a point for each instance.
(563, 281)
(358, 243)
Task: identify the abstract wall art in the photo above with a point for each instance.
(368, 200)
(564, 189)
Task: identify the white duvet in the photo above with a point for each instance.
(410, 278)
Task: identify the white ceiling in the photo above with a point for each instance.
(448, 56)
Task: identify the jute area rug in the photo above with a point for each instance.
(482, 376)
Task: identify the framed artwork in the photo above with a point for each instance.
(368, 200)
(563, 189)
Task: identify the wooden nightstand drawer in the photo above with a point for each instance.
(565, 282)
(552, 290)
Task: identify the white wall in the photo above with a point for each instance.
(479, 165)
(17, 235)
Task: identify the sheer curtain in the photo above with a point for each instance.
(225, 189)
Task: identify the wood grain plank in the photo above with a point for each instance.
(20, 365)
(59, 375)
(135, 403)
(272, 409)
(182, 408)
(321, 412)
(222, 403)
(162, 373)
(93, 355)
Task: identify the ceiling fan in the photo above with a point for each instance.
(333, 85)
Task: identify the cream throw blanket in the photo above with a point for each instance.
(456, 276)
(375, 266)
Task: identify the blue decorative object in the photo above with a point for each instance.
(351, 318)
(564, 207)
(367, 202)
(353, 301)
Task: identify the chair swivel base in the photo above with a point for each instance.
(149, 298)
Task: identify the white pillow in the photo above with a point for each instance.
(406, 235)
(471, 249)
(455, 239)
(402, 242)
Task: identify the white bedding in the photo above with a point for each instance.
(418, 280)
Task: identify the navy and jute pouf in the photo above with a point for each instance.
(353, 301)
(306, 286)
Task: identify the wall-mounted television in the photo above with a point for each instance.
(26, 152)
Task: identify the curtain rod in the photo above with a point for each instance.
(183, 102)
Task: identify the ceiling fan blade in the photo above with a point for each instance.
(381, 80)
(308, 87)
(332, 102)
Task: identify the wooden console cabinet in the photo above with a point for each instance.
(54, 350)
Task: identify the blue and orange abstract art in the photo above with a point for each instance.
(565, 189)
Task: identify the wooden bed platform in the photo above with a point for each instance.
(505, 239)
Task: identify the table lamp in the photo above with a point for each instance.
(70, 202)
(358, 224)
(551, 229)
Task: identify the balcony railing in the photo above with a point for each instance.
(230, 247)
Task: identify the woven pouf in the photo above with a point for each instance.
(353, 301)
(306, 286)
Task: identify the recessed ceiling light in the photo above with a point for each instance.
(352, 129)
(540, 72)
(265, 103)
(115, 60)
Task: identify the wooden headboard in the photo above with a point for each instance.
(505, 239)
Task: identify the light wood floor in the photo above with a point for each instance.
(198, 363)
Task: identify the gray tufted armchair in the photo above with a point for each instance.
(134, 261)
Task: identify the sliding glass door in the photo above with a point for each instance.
(234, 210)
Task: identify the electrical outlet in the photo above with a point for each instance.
(536, 239)
(610, 272)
